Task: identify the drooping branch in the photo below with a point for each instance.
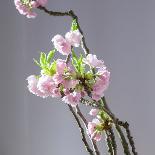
(71, 14)
(86, 123)
(81, 130)
(88, 148)
(109, 143)
(113, 141)
(130, 138)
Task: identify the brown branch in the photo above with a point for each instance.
(130, 138)
(113, 141)
(86, 123)
(81, 130)
(118, 128)
(108, 142)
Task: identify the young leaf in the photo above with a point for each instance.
(74, 25)
(50, 55)
(36, 62)
(74, 55)
(42, 58)
(53, 68)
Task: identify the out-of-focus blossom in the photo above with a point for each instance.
(26, 7)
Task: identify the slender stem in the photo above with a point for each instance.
(113, 141)
(118, 128)
(86, 123)
(81, 130)
(109, 143)
(130, 138)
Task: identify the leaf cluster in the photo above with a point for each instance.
(47, 67)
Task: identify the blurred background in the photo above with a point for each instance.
(121, 32)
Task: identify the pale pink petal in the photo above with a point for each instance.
(74, 38)
(93, 61)
(61, 44)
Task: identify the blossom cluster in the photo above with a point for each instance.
(25, 7)
(98, 125)
(78, 78)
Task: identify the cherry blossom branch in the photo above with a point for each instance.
(78, 121)
(86, 123)
(98, 105)
(81, 131)
(71, 14)
(105, 108)
(86, 51)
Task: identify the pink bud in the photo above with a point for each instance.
(93, 112)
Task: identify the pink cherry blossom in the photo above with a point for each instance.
(73, 98)
(92, 61)
(74, 38)
(102, 83)
(61, 44)
(23, 9)
(94, 112)
(94, 134)
(34, 4)
(46, 85)
(70, 83)
(32, 86)
(56, 92)
(60, 66)
(58, 78)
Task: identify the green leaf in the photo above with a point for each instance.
(42, 59)
(53, 68)
(74, 25)
(50, 56)
(36, 62)
(74, 55)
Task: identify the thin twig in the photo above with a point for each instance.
(109, 143)
(81, 130)
(86, 123)
(118, 128)
(113, 141)
(130, 138)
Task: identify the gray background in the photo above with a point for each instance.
(119, 31)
